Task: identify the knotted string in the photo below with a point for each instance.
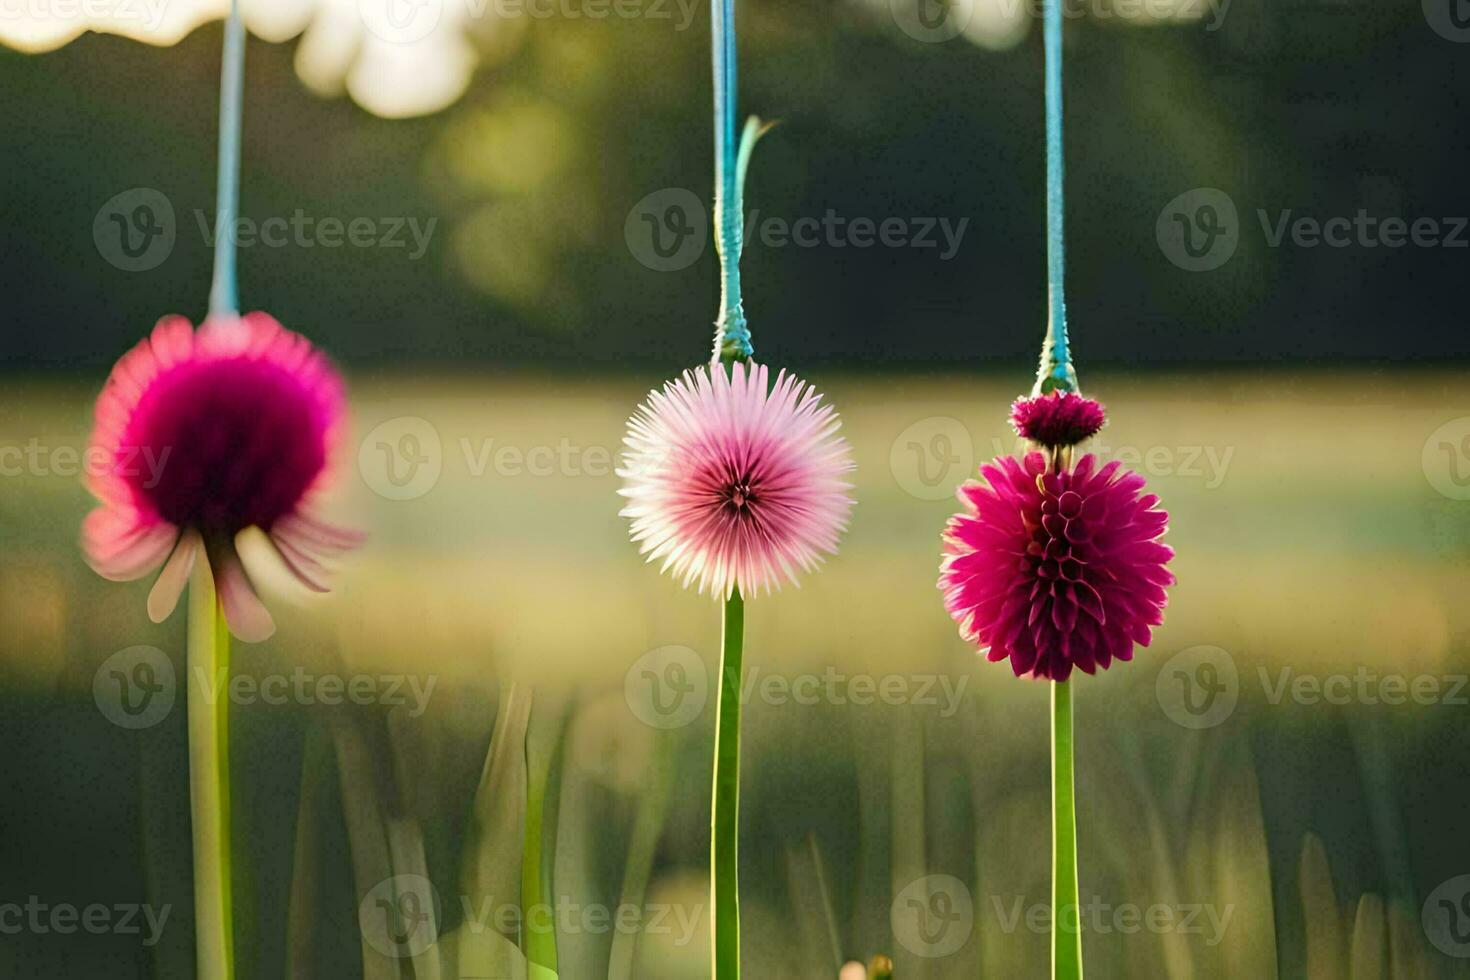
(732, 333)
(1056, 371)
(224, 291)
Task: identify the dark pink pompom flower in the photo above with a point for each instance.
(1056, 569)
(1061, 418)
(200, 435)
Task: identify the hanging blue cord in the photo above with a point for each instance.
(1056, 370)
(732, 334)
(224, 292)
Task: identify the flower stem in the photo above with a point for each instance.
(725, 820)
(224, 291)
(208, 659)
(1066, 928)
(732, 333)
(536, 865)
(1056, 371)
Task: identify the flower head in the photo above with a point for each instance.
(1056, 568)
(1061, 418)
(202, 435)
(735, 483)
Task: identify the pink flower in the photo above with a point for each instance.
(734, 483)
(1056, 569)
(203, 435)
(1061, 418)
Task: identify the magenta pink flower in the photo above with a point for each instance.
(734, 483)
(1056, 569)
(1061, 418)
(203, 435)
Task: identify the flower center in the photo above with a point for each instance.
(740, 496)
(234, 443)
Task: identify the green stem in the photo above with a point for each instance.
(209, 777)
(1066, 929)
(536, 884)
(725, 821)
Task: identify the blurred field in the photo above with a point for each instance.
(1310, 535)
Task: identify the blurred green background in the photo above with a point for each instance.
(1311, 538)
(1301, 409)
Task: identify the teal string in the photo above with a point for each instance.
(1056, 371)
(224, 298)
(732, 333)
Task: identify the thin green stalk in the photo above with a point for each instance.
(536, 864)
(1066, 927)
(725, 821)
(209, 777)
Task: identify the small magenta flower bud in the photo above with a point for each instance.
(1058, 419)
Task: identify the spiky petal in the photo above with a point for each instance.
(734, 483)
(200, 435)
(1056, 569)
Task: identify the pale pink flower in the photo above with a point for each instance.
(734, 483)
(203, 434)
